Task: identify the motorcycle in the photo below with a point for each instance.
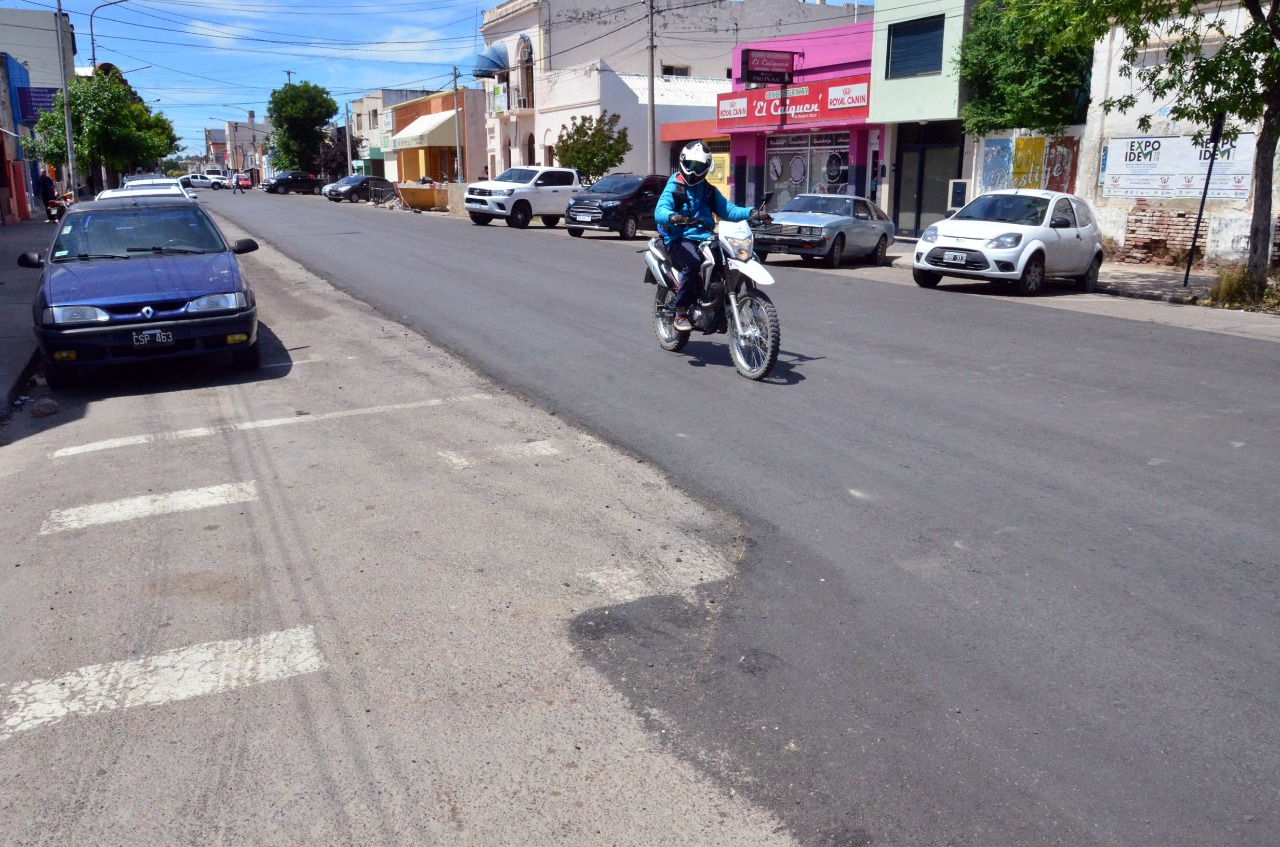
(729, 299)
(58, 205)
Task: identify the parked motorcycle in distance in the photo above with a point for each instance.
(58, 205)
(729, 299)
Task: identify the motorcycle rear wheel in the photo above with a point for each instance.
(755, 350)
(669, 338)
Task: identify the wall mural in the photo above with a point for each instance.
(1035, 162)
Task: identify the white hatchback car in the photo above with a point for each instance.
(1016, 236)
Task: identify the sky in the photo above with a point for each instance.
(206, 62)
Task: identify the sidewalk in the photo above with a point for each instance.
(17, 292)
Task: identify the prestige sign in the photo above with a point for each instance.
(771, 67)
(845, 100)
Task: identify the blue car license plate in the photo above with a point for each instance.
(152, 338)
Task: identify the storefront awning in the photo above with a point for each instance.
(491, 62)
(437, 130)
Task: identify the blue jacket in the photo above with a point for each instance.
(703, 201)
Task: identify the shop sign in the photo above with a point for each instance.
(771, 67)
(33, 101)
(844, 100)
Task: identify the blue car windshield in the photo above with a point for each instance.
(121, 233)
(820, 204)
(1020, 209)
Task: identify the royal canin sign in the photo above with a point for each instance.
(843, 100)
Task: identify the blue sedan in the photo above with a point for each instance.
(134, 278)
(829, 227)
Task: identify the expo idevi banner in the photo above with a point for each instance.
(1172, 166)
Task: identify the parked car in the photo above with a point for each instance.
(829, 227)
(242, 180)
(1016, 236)
(357, 187)
(518, 194)
(621, 203)
(140, 277)
(296, 182)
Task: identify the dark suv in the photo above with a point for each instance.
(298, 182)
(621, 203)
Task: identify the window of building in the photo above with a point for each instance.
(915, 48)
(676, 70)
(373, 118)
(359, 122)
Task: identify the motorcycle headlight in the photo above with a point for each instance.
(217, 302)
(609, 204)
(73, 315)
(1006, 241)
(740, 248)
(930, 235)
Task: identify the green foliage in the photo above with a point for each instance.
(299, 112)
(1184, 55)
(592, 146)
(1014, 81)
(110, 126)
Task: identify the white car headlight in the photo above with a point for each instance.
(74, 315)
(1006, 241)
(930, 235)
(217, 302)
(504, 192)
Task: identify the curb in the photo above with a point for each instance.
(1158, 296)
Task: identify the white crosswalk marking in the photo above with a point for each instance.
(168, 677)
(522, 450)
(132, 508)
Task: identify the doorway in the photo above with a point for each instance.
(928, 156)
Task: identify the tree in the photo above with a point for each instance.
(333, 159)
(1185, 55)
(110, 126)
(300, 113)
(1014, 81)
(592, 145)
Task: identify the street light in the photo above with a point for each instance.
(93, 45)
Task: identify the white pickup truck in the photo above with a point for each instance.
(518, 194)
(218, 178)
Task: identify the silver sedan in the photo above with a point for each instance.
(829, 227)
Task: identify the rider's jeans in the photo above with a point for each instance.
(687, 259)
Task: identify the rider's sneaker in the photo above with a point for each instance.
(681, 323)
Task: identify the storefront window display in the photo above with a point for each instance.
(806, 164)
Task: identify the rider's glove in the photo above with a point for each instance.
(761, 216)
(677, 220)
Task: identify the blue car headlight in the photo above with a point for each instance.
(74, 315)
(217, 302)
(811, 231)
(930, 235)
(1005, 242)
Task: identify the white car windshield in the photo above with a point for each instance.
(1021, 209)
(820, 204)
(521, 175)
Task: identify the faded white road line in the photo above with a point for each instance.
(523, 450)
(129, 509)
(166, 678)
(205, 431)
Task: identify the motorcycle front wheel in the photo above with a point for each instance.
(669, 338)
(755, 349)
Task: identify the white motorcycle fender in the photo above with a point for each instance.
(758, 273)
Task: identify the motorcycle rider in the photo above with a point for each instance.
(686, 215)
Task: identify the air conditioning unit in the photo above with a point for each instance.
(957, 195)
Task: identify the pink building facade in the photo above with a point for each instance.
(811, 135)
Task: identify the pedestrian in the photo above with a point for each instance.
(235, 184)
(48, 191)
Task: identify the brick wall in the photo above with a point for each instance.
(1158, 236)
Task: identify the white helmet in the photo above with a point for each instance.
(695, 162)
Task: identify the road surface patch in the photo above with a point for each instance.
(523, 450)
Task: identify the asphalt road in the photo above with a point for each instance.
(1007, 573)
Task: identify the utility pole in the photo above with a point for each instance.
(66, 103)
(290, 75)
(348, 134)
(653, 144)
(457, 129)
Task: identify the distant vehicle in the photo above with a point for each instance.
(621, 203)
(518, 194)
(357, 187)
(215, 172)
(242, 180)
(1016, 236)
(200, 181)
(296, 182)
(141, 277)
(161, 186)
(128, 178)
(827, 227)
